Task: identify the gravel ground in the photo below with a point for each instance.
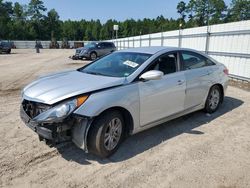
(197, 150)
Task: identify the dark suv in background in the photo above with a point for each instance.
(95, 49)
(5, 47)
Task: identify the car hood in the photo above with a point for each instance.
(57, 87)
(81, 48)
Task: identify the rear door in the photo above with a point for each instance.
(198, 72)
(104, 48)
(162, 98)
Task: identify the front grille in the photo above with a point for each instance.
(33, 109)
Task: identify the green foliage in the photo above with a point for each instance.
(52, 24)
(31, 22)
(36, 9)
(181, 9)
(239, 10)
(201, 12)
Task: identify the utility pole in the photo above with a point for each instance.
(116, 28)
(180, 33)
(208, 30)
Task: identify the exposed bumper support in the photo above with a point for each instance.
(74, 128)
(80, 132)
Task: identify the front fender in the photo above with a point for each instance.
(126, 96)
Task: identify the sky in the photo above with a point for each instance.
(111, 9)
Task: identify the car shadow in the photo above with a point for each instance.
(152, 137)
(6, 54)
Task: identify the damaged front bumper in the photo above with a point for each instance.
(73, 128)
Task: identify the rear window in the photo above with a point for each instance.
(191, 60)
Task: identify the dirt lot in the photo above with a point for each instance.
(198, 150)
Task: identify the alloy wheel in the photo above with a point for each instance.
(214, 99)
(112, 134)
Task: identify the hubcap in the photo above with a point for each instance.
(214, 99)
(112, 134)
(93, 56)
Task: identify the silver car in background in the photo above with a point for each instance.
(94, 50)
(121, 94)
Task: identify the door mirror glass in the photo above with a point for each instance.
(152, 75)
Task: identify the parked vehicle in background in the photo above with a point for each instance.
(5, 47)
(12, 44)
(94, 50)
(121, 94)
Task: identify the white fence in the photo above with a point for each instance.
(228, 43)
(31, 44)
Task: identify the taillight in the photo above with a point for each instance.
(226, 71)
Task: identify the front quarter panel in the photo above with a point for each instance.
(126, 96)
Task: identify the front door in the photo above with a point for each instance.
(164, 97)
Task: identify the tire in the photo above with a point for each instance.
(102, 129)
(214, 99)
(8, 52)
(93, 56)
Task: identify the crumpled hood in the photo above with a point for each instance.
(57, 87)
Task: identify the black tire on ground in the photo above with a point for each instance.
(99, 131)
(93, 56)
(214, 99)
(8, 52)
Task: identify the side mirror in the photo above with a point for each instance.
(152, 75)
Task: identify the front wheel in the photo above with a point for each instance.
(213, 99)
(106, 134)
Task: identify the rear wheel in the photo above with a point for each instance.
(106, 134)
(214, 99)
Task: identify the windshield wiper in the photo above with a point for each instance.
(94, 73)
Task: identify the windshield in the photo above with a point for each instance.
(119, 64)
(90, 45)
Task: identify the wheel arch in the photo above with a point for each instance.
(93, 51)
(128, 119)
(221, 89)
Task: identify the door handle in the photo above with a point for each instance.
(180, 82)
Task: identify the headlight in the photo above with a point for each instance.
(60, 111)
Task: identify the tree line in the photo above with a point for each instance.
(34, 22)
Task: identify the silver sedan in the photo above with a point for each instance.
(121, 94)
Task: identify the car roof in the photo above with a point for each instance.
(104, 42)
(154, 49)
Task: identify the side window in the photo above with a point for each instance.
(166, 63)
(102, 45)
(209, 62)
(108, 45)
(192, 60)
